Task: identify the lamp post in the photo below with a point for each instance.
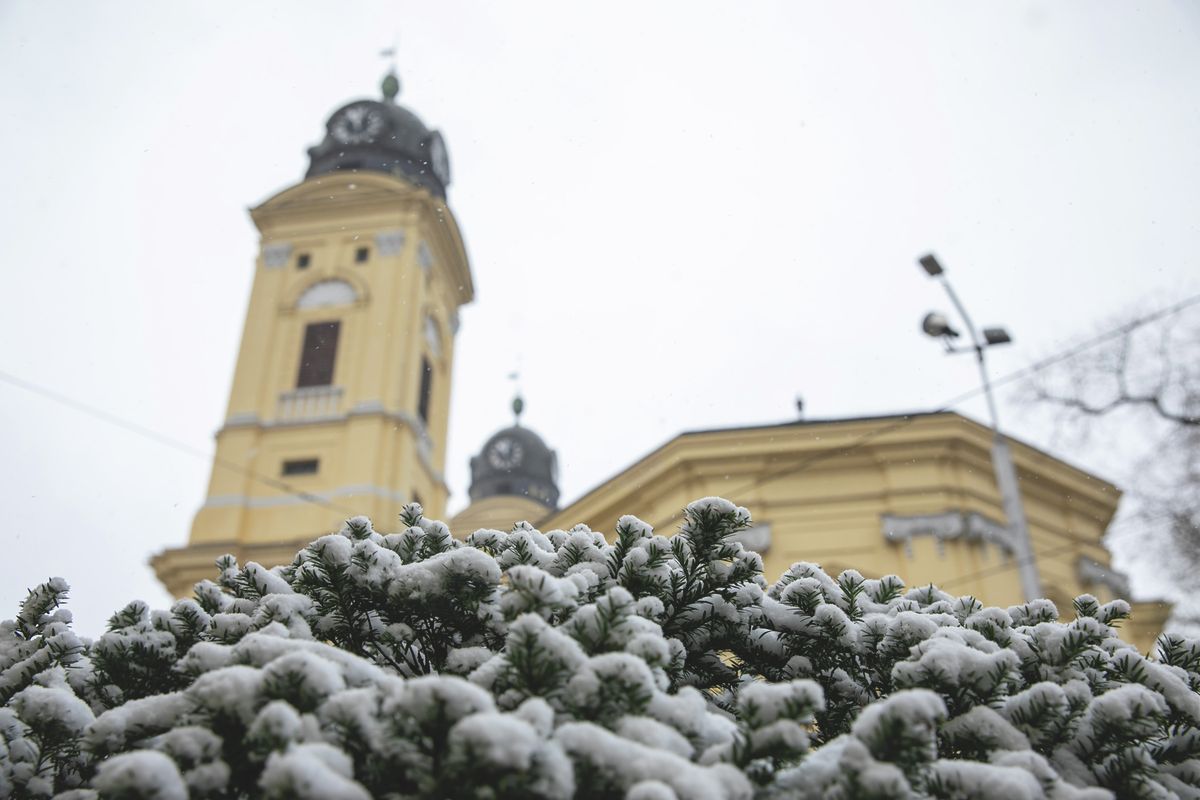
(937, 326)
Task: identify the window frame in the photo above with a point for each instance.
(317, 365)
(296, 467)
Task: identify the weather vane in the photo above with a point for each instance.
(390, 52)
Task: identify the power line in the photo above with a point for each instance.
(168, 441)
(948, 405)
(314, 499)
(1037, 366)
(1016, 563)
(1071, 352)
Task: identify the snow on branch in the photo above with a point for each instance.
(565, 664)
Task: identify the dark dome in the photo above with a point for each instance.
(515, 461)
(381, 136)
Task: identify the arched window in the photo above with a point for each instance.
(433, 336)
(332, 292)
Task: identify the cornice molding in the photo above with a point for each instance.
(955, 436)
(1092, 571)
(947, 526)
(369, 408)
(245, 501)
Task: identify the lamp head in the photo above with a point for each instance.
(937, 326)
(996, 336)
(931, 266)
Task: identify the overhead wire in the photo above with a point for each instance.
(171, 442)
(948, 405)
(791, 469)
(1015, 563)
(1031, 369)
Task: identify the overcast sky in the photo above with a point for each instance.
(679, 215)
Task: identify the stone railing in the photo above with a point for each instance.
(309, 403)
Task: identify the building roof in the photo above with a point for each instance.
(859, 430)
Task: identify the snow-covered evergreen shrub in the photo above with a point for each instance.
(556, 665)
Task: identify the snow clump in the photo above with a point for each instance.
(523, 664)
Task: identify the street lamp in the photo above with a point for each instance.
(938, 326)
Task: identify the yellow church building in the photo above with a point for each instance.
(340, 400)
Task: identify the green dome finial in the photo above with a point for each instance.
(518, 405)
(391, 86)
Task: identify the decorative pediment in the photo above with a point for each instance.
(971, 527)
(276, 255)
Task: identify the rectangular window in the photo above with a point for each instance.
(317, 355)
(303, 260)
(361, 255)
(426, 390)
(300, 466)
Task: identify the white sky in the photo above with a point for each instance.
(680, 215)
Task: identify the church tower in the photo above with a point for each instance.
(341, 393)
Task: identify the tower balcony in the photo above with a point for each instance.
(309, 403)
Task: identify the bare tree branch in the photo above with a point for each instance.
(1120, 401)
(1140, 392)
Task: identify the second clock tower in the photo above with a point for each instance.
(341, 392)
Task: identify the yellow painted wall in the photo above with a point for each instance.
(823, 489)
(374, 452)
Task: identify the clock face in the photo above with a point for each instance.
(505, 453)
(358, 124)
(439, 159)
